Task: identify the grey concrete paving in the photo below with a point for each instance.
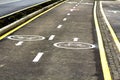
(9, 6)
(70, 22)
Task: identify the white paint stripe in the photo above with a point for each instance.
(71, 10)
(75, 39)
(37, 58)
(51, 37)
(64, 19)
(2, 65)
(76, 5)
(59, 26)
(68, 14)
(19, 43)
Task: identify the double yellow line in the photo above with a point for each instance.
(104, 63)
(110, 28)
(25, 23)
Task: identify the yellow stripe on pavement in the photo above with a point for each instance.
(110, 28)
(104, 63)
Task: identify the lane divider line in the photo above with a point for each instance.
(51, 37)
(103, 58)
(19, 43)
(68, 14)
(38, 57)
(75, 39)
(71, 10)
(76, 5)
(59, 26)
(65, 19)
(30, 20)
(110, 28)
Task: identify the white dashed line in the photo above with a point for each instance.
(71, 10)
(64, 19)
(19, 43)
(2, 65)
(75, 39)
(37, 58)
(68, 14)
(59, 26)
(51, 37)
(76, 5)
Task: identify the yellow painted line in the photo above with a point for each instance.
(23, 9)
(104, 63)
(110, 28)
(15, 29)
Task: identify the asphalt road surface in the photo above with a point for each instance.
(59, 45)
(9, 6)
(112, 11)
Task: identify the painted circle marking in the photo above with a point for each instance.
(26, 37)
(74, 45)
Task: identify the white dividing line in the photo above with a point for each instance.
(76, 5)
(68, 14)
(71, 10)
(75, 39)
(59, 26)
(37, 58)
(64, 19)
(19, 43)
(2, 65)
(51, 37)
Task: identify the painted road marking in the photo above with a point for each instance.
(71, 2)
(64, 19)
(19, 43)
(71, 10)
(75, 39)
(104, 63)
(74, 45)
(2, 65)
(38, 57)
(59, 26)
(26, 37)
(76, 5)
(51, 37)
(114, 11)
(68, 14)
(114, 36)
